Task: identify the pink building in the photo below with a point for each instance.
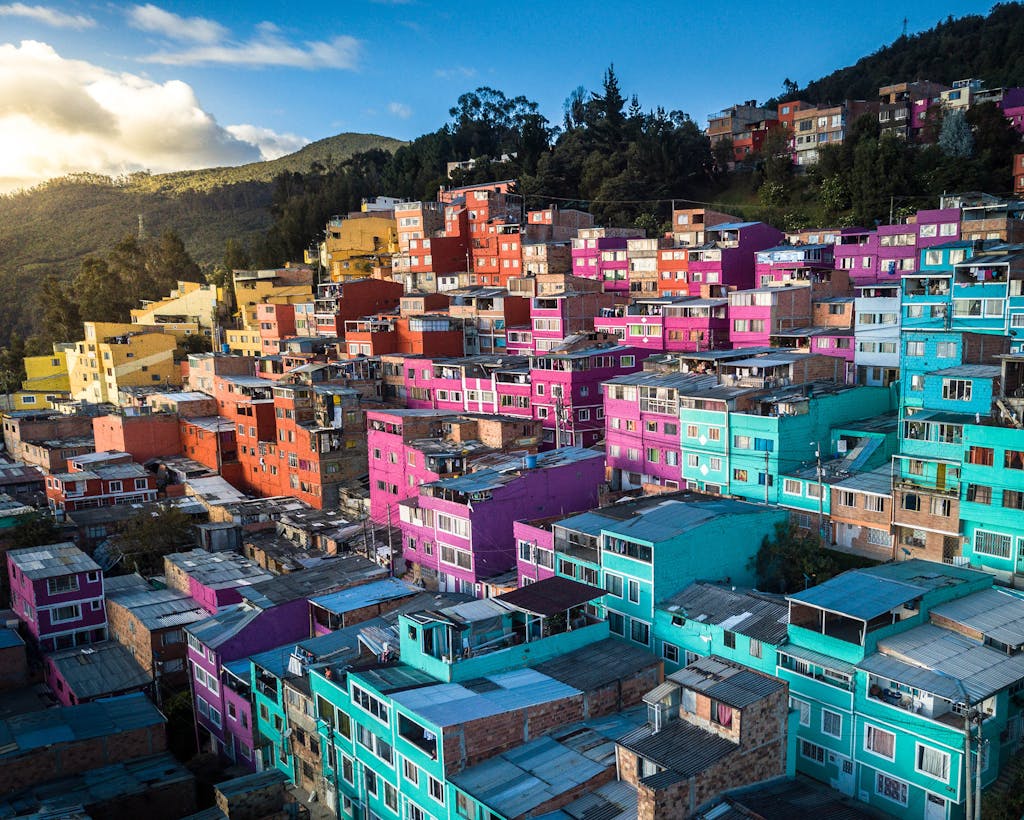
(727, 255)
(101, 670)
(793, 263)
(755, 315)
(409, 448)
(57, 592)
(600, 253)
(277, 322)
(642, 437)
(556, 316)
(214, 579)
(535, 549)
(682, 323)
(884, 255)
(566, 389)
(459, 530)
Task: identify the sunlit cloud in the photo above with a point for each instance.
(44, 14)
(271, 144)
(175, 27)
(400, 110)
(455, 73)
(60, 116)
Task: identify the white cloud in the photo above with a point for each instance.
(400, 110)
(60, 116)
(44, 14)
(173, 26)
(460, 72)
(271, 144)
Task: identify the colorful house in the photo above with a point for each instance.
(57, 592)
(459, 530)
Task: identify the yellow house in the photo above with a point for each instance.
(114, 355)
(46, 380)
(354, 245)
(286, 286)
(244, 342)
(189, 310)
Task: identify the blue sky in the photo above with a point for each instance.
(119, 87)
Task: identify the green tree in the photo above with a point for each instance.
(58, 308)
(35, 530)
(143, 540)
(792, 560)
(99, 294)
(168, 262)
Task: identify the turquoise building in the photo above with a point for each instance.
(889, 666)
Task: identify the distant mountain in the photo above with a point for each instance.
(52, 227)
(988, 48)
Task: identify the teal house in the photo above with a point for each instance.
(641, 552)
(901, 674)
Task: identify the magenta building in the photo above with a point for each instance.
(669, 324)
(214, 579)
(459, 531)
(600, 253)
(535, 549)
(57, 592)
(643, 442)
(271, 613)
(727, 256)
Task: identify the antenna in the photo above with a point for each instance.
(142, 228)
(904, 27)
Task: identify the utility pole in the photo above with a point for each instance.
(821, 490)
(978, 718)
(391, 549)
(967, 754)
(766, 477)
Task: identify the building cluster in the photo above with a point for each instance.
(476, 514)
(909, 110)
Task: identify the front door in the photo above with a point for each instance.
(934, 808)
(845, 783)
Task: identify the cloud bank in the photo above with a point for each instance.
(44, 14)
(60, 116)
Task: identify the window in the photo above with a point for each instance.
(956, 389)
(437, 790)
(390, 797)
(811, 751)
(670, 652)
(65, 583)
(847, 499)
(63, 614)
(1013, 500)
(639, 631)
(980, 494)
(932, 762)
(370, 704)
(691, 431)
(616, 623)
(729, 639)
(634, 592)
(831, 723)
(982, 456)
(941, 507)
(945, 350)
(371, 781)
(915, 348)
(911, 502)
(1013, 460)
(739, 475)
(411, 772)
(692, 460)
(891, 788)
(992, 543)
(791, 486)
(880, 742)
(804, 708)
(874, 503)
(755, 648)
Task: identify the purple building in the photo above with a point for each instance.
(271, 613)
(727, 257)
(460, 530)
(57, 591)
(535, 549)
(600, 253)
(884, 255)
(1012, 105)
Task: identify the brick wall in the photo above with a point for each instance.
(13, 667)
(63, 759)
(256, 804)
(160, 801)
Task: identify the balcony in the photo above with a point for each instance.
(924, 704)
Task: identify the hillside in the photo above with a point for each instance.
(988, 48)
(52, 227)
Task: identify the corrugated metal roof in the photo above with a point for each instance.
(346, 600)
(70, 723)
(524, 778)
(598, 664)
(52, 560)
(995, 613)
(730, 683)
(817, 658)
(223, 626)
(449, 704)
(982, 670)
(99, 669)
(916, 677)
(681, 747)
(616, 800)
(550, 596)
(9, 638)
(736, 610)
(860, 595)
(874, 482)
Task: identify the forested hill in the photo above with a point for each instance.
(988, 48)
(53, 227)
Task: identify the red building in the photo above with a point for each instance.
(100, 486)
(338, 302)
(143, 437)
(276, 322)
(212, 442)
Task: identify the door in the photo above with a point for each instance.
(934, 808)
(845, 784)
